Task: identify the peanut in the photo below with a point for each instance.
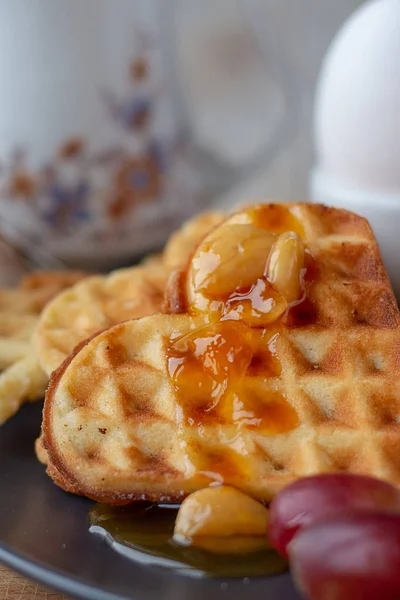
(285, 264)
(208, 517)
(232, 257)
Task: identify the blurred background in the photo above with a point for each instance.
(119, 119)
(294, 36)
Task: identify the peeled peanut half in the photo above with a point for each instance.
(232, 257)
(229, 268)
(245, 271)
(286, 260)
(212, 517)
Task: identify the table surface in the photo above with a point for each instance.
(16, 587)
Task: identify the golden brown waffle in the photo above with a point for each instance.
(102, 301)
(20, 307)
(24, 381)
(41, 452)
(22, 378)
(15, 335)
(95, 304)
(36, 290)
(182, 243)
(319, 393)
(50, 282)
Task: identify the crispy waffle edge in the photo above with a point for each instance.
(59, 470)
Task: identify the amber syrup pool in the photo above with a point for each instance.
(144, 533)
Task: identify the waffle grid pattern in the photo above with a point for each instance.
(94, 304)
(115, 428)
(102, 301)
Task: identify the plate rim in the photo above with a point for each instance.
(53, 578)
(69, 577)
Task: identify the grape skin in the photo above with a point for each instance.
(348, 557)
(311, 499)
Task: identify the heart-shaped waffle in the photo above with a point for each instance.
(158, 407)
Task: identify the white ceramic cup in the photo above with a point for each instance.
(99, 160)
(92, 155)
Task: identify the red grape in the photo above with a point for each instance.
(311, 499)
(348, 557)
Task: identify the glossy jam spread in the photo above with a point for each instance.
(144, 532)
(267, 411)
(248, 276)
(257, 305)
(209, 367)
(276, 218)
(227, 465)
(206, 363)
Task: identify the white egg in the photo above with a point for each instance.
(357, 125)
(357, 109)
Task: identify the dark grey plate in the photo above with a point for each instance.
(44, 535)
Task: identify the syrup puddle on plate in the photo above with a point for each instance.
(143, 532)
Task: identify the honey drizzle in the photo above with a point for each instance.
(257, 305)
(275, 218)
(144, 533)
(203, 365)
(208, 366)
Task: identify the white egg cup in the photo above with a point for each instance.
(357, 125)
(382, 211)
